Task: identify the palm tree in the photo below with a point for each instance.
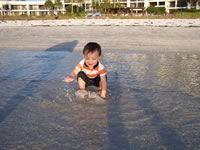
(49, 4)
(106, 5)
(118, 5)
(72, 9)
(197, 4)
(84, 1)
(189, 2)
(80, 3)
(57, 4)
(95, 4)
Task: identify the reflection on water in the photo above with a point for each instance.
(153, 102)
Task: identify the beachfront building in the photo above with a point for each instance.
(23, 7)
(37, 7)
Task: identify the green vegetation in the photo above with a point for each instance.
(77, 10)
(57, 3)
(112, 11)
(25, 17)
(156, 10)
(49, 4)
(178, 15)
(186, 13)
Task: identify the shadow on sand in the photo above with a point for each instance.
(49, 64)
(168, 135)
(63, 47)
(116, 132)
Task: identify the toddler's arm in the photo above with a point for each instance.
(71, 76)
(104, 87)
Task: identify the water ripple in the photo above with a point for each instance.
(153, 102)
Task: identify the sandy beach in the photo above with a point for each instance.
(135, 34)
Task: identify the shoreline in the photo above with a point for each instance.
(104, 22)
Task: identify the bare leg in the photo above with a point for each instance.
(81, 84)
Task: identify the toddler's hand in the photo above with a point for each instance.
(68, 79)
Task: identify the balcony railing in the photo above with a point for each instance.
(122, 0)
(137, 0)
(67, 1)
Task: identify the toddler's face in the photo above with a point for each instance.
(91, 59)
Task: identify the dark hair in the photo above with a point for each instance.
(91, 47)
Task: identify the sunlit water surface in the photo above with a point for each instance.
(153, 102)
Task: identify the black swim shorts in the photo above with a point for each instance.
(89, 81)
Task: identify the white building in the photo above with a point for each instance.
(37, 8)
(22, 7)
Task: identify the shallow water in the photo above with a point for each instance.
(153, 102)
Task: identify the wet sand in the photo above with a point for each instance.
(178, 36)
(153, 98)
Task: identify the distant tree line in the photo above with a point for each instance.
(107, 7)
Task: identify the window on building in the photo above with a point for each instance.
(14, 7)
(172, 4)
(140, 4)
(133, 5)
(181, 4)
(123, 5)
(42, 7)
(67, 1)
(23, 7)
(5, 7)
(153, 3)
(161, 3)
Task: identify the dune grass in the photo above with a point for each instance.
(188, 15)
